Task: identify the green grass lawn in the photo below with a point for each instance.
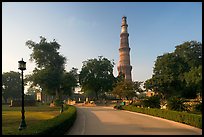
(11, 117)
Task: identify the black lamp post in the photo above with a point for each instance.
(22, 67)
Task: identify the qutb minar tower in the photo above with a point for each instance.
(124, 66)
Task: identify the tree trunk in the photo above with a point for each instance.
(57, 94)
(96, 95)
(5, 99)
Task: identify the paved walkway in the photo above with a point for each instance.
(108, 121)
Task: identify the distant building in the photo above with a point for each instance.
(42, 97)
(39, 96)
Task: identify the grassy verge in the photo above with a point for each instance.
(39, 120)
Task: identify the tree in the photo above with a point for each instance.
(46, 55)
(69, 81)
(48, 80)
(137, 86)
(127, 89)
(31, 92)
(96, 76)
(120, 77)
(191, 53)
(166, 78)
(193, 80)
(173, 71)
(50, 71)
(11, 85)
(124, 89)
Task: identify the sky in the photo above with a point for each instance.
(86, 30)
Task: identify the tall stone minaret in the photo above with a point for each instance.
(124, 66)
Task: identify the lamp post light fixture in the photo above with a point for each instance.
(22, 67)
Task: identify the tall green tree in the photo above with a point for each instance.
(166, 75)
(193, 80)
(11, 85)
(69, 81)
(178, 73)
(50, 66)
(191, 53)
(96, 76)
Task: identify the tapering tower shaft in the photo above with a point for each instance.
(124, 66)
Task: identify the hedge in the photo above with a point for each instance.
(59, 125)
(18, 103)
(182, 117)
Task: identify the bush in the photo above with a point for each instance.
(137, 104)
(152, 102)
(176, 104)
(182, 117)
(198, 107)
(58, 102)
(18, 103)
(118, 107)
(65, 106)
(56, 126)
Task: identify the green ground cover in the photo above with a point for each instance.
(11, 117)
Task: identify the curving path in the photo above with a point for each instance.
(108, 121)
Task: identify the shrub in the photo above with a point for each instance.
(136, 104)
(56, 126)
(152, 102)
(176, 104)
(18, 103)
(198, 107)
(182, 117)
(65, 106)
(118, 107)
(58, 102)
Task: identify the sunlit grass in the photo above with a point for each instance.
(11, 116)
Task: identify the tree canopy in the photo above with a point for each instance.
(69, 81)
(96, 76)
(49, 72)
(11, 85)
(127, 89)
(178, 73)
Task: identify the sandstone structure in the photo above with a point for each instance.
(124, 66)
